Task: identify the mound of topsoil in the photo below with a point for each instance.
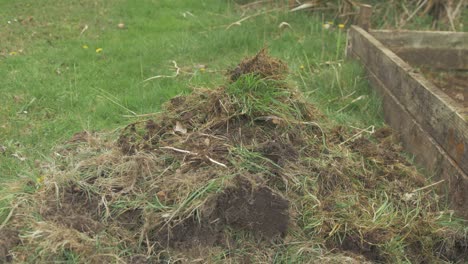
(244, 173)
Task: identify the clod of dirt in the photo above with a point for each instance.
(386, 154)
(365, 246)
(8, 240)
(257, 209)
(189, 234)
(75, 209)
(383, 133)
(260, 65)
(455, 249)
(279, 152)
(254, 208)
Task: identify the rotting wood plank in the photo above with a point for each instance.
(422, 39)
(435, 58)
(427, 152)
(436, 112)
(433, 49)
(415, 137)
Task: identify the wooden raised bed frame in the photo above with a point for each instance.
(430, 124)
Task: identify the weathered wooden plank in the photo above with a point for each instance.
(364, 18)
(415, 137)
(427, 152)
(435, 58)
(431, 108)
(422, 39)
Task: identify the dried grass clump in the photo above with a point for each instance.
(261, 65)
(247, 172)
(397, 14)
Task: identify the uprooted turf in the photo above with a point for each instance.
(246, 173)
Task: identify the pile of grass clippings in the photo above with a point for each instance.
(245, 173)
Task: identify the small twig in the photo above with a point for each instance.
(187, 13)
(216, 162)
(358, 134)
(83, 30)
(26, 107)
(428, 186)
(166, 76)
(413, 14)
(284, 25)
(118, 104)
(224, 107)
(180, 150)
(353, 101)
(104, 202)
(342, 98)
(304, 6)
(450, 16)
(213, 136)
(253, 3)
(114, 100)
(142, 115)
(238, 22)
(458, 8)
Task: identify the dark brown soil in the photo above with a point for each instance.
(75, 209)
(453, 83)
(189, 233)
(278, 152)
(131, 220)
(8, 240)
(257, 209)
(385, 151)
(383, 133)
(244, 206)
(454, 249)
(362, 247)
(138, 259)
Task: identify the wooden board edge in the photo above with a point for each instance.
(428, 105)
(427, 151)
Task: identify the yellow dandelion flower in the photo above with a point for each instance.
(341, 26)
(40, 179)
(202, 69)
(302, 67)
(98, 50)
(85, 47)
(13, 53)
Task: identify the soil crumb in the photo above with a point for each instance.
(257, 209)
(8, 240)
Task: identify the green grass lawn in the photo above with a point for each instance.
(55, 82)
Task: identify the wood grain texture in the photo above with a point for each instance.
(422, 39)
(435, 111)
